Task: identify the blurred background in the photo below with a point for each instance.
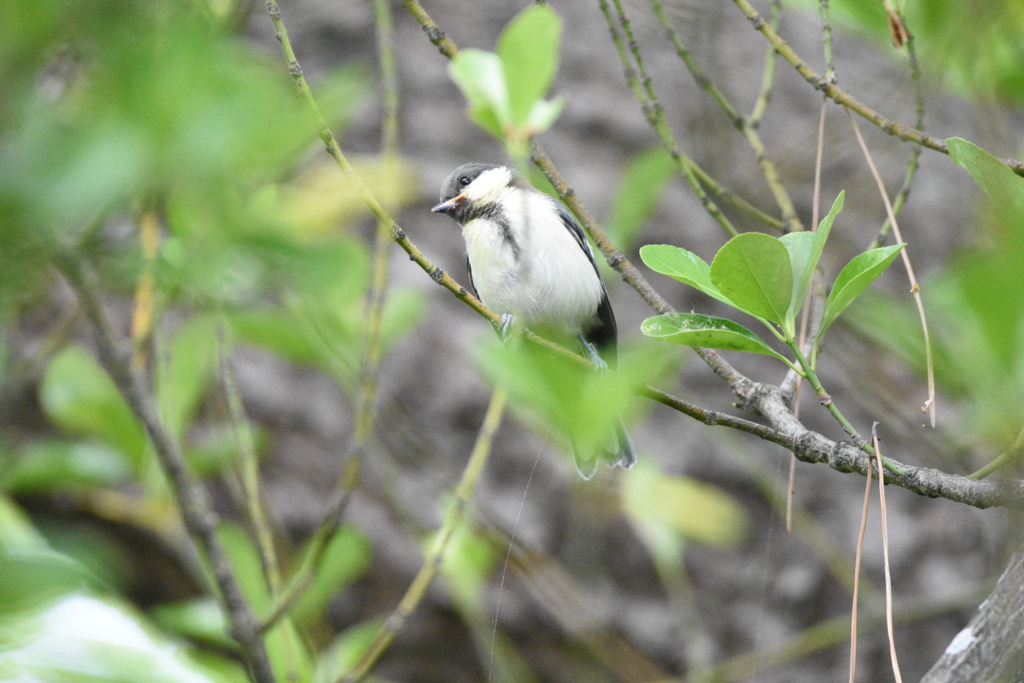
(163, 144)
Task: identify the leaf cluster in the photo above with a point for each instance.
(765, 277)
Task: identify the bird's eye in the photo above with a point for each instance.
(464, 180)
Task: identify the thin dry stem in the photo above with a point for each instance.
(885, 555)
(915, 288)
(856, 575)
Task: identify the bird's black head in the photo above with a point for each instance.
(471, 186)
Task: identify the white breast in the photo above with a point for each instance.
(549, 282)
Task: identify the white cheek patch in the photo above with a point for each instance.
(488, 183)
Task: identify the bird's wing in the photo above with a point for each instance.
(602, 332)
(469, 272)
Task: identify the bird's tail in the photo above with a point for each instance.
(618, 453)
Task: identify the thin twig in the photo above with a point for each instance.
(196, 511)
(144, 304)
(840, 96)
(432, 562)
(250, 464)
(1004, 458)
(915, 288)
(856, 575)
(826, 41)
(885, 555)
(643, 90)
(742, 124)
(366, 383)
(768, 73)
(915, 153)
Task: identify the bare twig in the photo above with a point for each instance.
(196, 511)
(768, 73)
(643, 90)
(915, 153)
(742, 124)
(844, 98)
(826, 41)
(250, 464)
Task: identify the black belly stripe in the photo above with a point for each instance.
(492, 212)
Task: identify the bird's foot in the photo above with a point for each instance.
(592, 354)
(505, 327)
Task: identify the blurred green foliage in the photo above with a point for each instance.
(975, 48)
(110, 110)
(505, 90)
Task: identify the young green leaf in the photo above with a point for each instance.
(695, 329)
(681, 265)
(640, 189)
(754, 271)
(800, 246)
(481, 78)
(543, 114)
(528, 51)
(1001, 184)
(805, 251)
(682, 506)
(858, 274)
(79, 395)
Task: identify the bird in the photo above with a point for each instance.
(529, 261)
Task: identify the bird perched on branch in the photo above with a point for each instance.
(530, 261)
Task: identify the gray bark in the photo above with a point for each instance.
(991, 647)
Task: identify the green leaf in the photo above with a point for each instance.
(193, 357)
(754, 271)
(200, 619)
(543, 114)
(858, 274)
(640, 189)
(77, 394)
(346, 651)
(17, 534)
(681, 265)
(565, 397)
(32, 579)
(48, 466)
(528, 50)
(800, 246)
(481, 78)
(689, 508)
(344, 560)
(804, 253)
(694, 329)
(1001, 184)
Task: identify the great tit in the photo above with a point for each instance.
(529, 260)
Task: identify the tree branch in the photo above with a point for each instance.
(991, 647)
(840, 96)
(194, 505)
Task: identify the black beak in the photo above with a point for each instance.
(450, 205)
